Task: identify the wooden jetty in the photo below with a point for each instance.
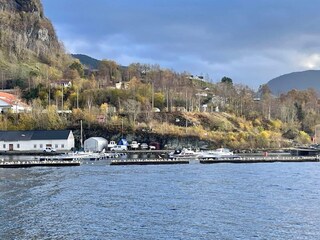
(37, 163)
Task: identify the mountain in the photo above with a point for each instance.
(89, 62)
(27, 37)
(296, 80)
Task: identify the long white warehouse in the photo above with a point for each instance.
(38, 140)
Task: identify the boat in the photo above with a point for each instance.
(217, 153)
(183, 153)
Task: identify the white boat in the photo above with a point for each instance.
(183, 153)
(217, 153)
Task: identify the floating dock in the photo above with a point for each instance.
(148, 161)
(258, 159)
(245, 159)
(36, 163)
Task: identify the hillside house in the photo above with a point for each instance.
(63, 83)
(9, 102)
(38, 140)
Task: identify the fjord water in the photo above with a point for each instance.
(219, 201)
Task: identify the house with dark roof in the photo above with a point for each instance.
(38, 140)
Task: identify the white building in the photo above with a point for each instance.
(95, 144)
(9, 102)
(61, 140)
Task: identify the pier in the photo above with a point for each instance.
(258, 159)
(148, 161)
(36, 163)
(243, 159)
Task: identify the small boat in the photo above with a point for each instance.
(183, 153)
(217, 153)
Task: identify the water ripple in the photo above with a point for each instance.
(223, 201)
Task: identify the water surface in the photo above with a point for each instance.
(217, 201)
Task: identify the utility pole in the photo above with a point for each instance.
(49, 96)
(48, 83)
(186, 100)
(167, 100)
(77, 98)
(81, 133)
(152, 98)
(62, 98)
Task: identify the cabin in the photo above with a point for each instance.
(95, 144)
(38, 140)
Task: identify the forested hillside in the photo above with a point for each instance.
(140, 101)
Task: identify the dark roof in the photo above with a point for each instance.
(34, 135)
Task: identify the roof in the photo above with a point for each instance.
(8, 98)
(123, 142)
(34, 135)
(97, 139)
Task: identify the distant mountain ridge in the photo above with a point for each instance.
(88, 61)
(295, 80)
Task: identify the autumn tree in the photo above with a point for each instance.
(76, 65)
(108, 72)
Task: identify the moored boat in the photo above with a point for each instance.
(183, 153)
(217, 153)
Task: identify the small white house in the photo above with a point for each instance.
(38, 140)
(95, 144)
(9, 102)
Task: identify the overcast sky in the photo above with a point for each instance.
(251, 41)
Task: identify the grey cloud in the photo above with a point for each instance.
(250, 40)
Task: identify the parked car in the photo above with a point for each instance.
(154, 146)
(134, 145)
(151, 147)
(119, 148)
(143, 146)
(112, 144)
(49, 149)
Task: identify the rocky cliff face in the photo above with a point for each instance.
(25, 32)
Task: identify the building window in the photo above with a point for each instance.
(4, 146)
(62, 145)
(18, 145)
(35, 146)
(56, 146)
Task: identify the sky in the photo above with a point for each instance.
(250, 41)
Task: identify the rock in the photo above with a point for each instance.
(25, 31)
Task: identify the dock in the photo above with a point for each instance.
(260, 159)
(148, 161)
(243, 159)
(36, 163)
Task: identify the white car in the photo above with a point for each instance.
(119, 148)
(49, 149)
(134, 145)
(151, 147)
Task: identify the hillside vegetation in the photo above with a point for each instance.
(141, 101)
